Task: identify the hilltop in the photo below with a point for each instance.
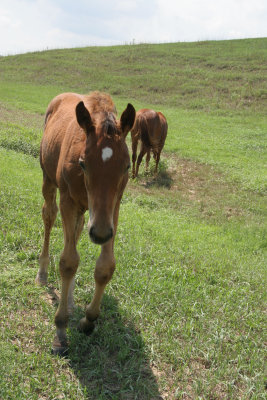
(208, 76)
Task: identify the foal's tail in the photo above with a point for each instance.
(144, 131)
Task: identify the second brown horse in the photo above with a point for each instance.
(151, 129)
(84, 155)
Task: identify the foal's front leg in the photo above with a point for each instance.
(105, 266)
(68, 265)
(78, 230)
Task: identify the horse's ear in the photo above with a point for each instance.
(127, 119)
(83, 117)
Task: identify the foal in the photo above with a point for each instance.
(84, 155)
(151, 128)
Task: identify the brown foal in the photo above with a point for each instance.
(84, 155)
(151, 128)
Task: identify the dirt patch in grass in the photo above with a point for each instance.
(188, 183)
(179, 174)
(25, 329)
(164, 378)
(52, 296)
(186, 385)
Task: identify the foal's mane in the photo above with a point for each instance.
(109, 124)
(103, 112)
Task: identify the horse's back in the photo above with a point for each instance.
(150, 116)
(62, 107)
(144, 121)
(59, 119)
(153, 125)
(162, 118)
(62, 102)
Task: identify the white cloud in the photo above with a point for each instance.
(27, 25)
(221, 19)
(30, 21)
(125, 5)
(5, 21)
(63, 38)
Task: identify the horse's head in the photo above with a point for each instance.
(105, 161)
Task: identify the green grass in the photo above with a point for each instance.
(236, 144)
(186, 295)
(184, 315)
(213, 76)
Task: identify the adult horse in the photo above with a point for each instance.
(84, 155)
(151, 128)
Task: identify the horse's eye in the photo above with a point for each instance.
(81, 162)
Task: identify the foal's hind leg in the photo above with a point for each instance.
(143, 151)
(134, 151)
(147, 158)
(49, 213)
(157, 158)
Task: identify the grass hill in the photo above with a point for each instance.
(228, 75)
(184, 315)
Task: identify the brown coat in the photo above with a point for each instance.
(151, 129)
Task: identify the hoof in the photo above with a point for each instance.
(60, 347)
(41, 279)
(86, 326)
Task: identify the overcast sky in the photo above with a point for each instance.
(29, 25)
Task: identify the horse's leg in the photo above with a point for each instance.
(134, 151)
(157, 161)
(49, 213)
(105, 266)
(72, 221)
(140, 157)
(147, 158)
(79, 228)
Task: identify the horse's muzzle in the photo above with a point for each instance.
(98, 238)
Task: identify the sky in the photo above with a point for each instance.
(35, 25)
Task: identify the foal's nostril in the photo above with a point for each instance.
(100, 237)
(91, 232)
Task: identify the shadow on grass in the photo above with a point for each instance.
(112, 362)
(162, 179)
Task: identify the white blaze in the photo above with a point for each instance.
(106, 153)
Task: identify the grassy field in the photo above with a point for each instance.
(185, 313)
(218, 76)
